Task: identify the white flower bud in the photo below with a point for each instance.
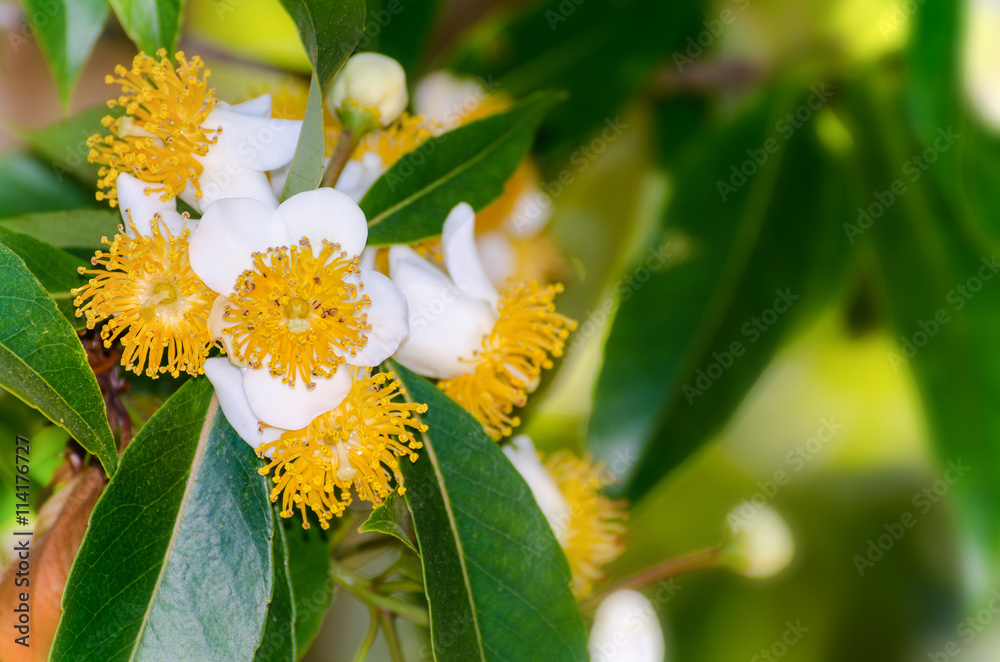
(373, 83)
(760, 545)
(982, 59)
(626, 629)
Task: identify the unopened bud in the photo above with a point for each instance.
(760, 545)
(370, 86)
(626, 629)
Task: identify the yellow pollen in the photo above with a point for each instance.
(161, 136)
(401, 137)
(355, 446)
(298, 313)
(596, 529)
(525, 337)
(147, 295)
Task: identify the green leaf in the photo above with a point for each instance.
(64, 144)
(601, 52)
(150, 24)
(309, 570)
(43, 363)
(401, 29)
(67, 31)
(410, 201)
(389, 519)
(278, 642)
(77, 228)
(176, 562)
(56, 270)
(329, 29)
(306, 170)
(688, 340)
(479, 529)
(27, 185)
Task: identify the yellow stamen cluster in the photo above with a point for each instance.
(355, 445)
(289, 101)
(160, 137)
(150, 297)
(520, 345)
(298, 312)
(596, 529)
(400, 138)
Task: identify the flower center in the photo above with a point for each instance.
(525, 337)
(160, 137)
(137, 276)
(392, 142)
(298, 313)
(355, 445)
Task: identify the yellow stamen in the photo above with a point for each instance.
(596, 528)
(355, 445)
(161, 135)
(297, 312)
(518, 348)
(401, 137)
(150, 297)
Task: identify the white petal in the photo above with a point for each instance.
(325, 214)
(532, 211)
(626, 629)
(458, 242)
(367, 258)
(522, 454)
(498, 255)
(447, 327)
(216, 324)
(259, 107)
(138, 208)
(445, 99)
(231, 230)
(293, 407)
(228, 382)
(257, 143)
(237, 182)
(387, 317)
(358, 176)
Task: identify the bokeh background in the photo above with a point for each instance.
(828, 417)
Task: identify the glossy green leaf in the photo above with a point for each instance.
(410, 201)
(278, 642)
(329, 29)
(309, 571)
(705, 308)
(599, 51)
(390, 518)
(55, 269)
(67, 31)
(28, 185)
(150, 24)
(76, 228)
(43, 363)
(63, 144)
(479, 529)
(306, 170)
(401, 29)
(176, 562)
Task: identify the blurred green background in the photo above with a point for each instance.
(842, 151)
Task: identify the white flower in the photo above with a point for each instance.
(982, 59)
(449, 314)
(447, 99)
(522, 454)
(760, 545)
(626, 629)
(295, 311)
(359, 175)
(138, 209)
(371, 82)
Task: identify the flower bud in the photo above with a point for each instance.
(982, 59)
(370, 85)
(626, 629)
(760, 545)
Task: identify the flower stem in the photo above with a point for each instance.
(366, 643)
(700, 560)
(361, 588)
(347, 142)
(391, 636)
